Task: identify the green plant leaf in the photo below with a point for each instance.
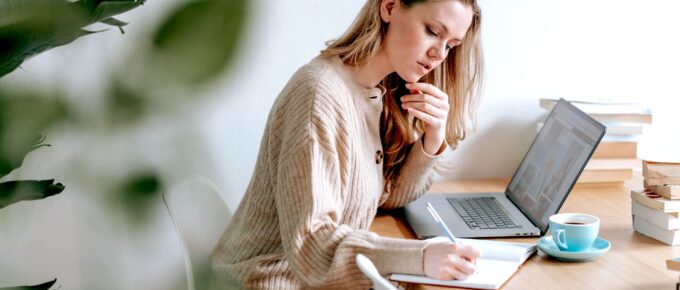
(23, 120)
(43, 286)
(19, 190)
(198, 40)
(12, 161)
(29, 27)
(114, 22)
(104, 9)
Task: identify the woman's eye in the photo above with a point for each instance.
(430, 32)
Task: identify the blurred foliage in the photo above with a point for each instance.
(197, 40)
(18, 190)
(193, 45)
(23, 120)
(13, 156)
(139, 192)
(125, 105)
(29, 27)
(43, 286)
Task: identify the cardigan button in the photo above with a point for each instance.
(378, 156)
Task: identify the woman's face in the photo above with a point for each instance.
(419, 37)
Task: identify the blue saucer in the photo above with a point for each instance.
(599, 248)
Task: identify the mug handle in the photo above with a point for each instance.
(561, 239)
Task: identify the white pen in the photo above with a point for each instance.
(440, 222)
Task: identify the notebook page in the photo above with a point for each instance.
(516, 252)
(491, 274)
(495, 250)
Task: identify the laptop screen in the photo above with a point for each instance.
(554, 162)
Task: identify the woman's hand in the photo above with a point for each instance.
(446, 261)
(429, 104)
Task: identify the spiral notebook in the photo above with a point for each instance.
(499, 261)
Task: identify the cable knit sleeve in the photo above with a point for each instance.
(414, 178)
(310, 201)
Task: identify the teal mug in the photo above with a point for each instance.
(574, 232)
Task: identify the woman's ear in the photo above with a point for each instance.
(386, 10)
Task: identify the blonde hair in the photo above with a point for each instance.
(460, 76)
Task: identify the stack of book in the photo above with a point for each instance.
(656, 209)
(663, 178)
(615, 158)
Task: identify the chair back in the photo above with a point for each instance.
(369, 270)
(200, 216)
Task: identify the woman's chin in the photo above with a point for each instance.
(410, 77)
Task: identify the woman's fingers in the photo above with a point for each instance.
(452, 272)
(448, 261)
(425, 98)
(457, 269)
(427, 89)
(456, 274)
(425, 108)
(463, 265)
(468, 252)
(428, 99)
(429, 104)
(427, 118)
(418, 97)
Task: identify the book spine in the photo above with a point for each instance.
(668, 237)
(659, 203)
(633, 118)
(667, 191)
(623, 128)
(663, 180)
(613, 149)
(661, 173)
(645, 201)
(667, 221)
(616, 175)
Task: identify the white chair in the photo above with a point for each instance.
(369, 270)
(199, 215)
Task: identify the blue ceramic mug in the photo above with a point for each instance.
(574, 232)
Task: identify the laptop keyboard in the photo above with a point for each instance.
(482, 212)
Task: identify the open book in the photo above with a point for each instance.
(499, 261)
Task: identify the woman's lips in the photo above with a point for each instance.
(424, 68)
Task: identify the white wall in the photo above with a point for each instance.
(571, 49)
(533, 49)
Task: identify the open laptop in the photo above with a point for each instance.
(536, 191)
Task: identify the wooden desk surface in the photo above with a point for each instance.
(633, 262)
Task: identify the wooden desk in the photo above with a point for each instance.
(634, 261)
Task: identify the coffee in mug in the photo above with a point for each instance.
(574, 232)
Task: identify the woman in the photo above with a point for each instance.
(358, 128)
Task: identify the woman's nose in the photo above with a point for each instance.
(438, 52)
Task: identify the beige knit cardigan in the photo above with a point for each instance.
(317, 185)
